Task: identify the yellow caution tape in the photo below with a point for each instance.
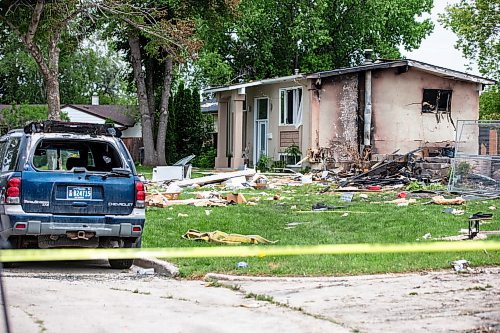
(242, 251)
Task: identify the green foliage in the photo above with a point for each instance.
(18, 116)
(265, 163)
(476, 24)
(188, 130)
(206, 159)
(293, 150)
(271, 38)
(83, 71)
(489, 103)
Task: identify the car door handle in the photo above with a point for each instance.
(80, 204)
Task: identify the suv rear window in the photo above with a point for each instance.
(64, 155)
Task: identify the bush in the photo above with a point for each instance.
(206, 159)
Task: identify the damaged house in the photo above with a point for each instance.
(345, 115)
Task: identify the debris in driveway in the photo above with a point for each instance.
(453, 211)
(460, 265)
(225, 238)
(146, 271)
(440, 200)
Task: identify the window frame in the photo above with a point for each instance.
(283, 105)
(438, 101)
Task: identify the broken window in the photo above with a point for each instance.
(291, 106)
(436, 100)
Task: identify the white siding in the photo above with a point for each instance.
(133, 132)
(82, 117)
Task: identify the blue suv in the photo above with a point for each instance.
(70, 185)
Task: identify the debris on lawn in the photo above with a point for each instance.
(322, 206)
(440, 200)
(346, 197)
(236, 198)
(292, 225)
(242, 264)
(225, 238)
(453, 211)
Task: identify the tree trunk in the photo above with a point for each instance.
(53, 100)
(163, 119)
(150, 90)
(150, 155)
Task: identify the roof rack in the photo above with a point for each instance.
(52, 126)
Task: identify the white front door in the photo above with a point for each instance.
(261, 125)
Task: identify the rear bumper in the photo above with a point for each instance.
(51, 224)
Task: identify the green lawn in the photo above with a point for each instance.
(367, 223)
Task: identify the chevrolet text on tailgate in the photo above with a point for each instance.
(69, 185)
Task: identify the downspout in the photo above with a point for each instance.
(368, 103)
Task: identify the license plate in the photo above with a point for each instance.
(79, 192)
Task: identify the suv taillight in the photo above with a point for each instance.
(140, 195)
(12, 195)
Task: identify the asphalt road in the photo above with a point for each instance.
(90, 297)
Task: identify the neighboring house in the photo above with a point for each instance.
(346, 114)
(211, 107)
(119, 115)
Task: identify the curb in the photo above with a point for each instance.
(160, 266)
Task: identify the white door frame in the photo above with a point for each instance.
(257, 132)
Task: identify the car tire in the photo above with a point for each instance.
(123, 263)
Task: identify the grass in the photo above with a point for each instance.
(366, 223)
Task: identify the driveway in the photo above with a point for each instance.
(89, 297)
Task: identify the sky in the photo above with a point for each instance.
(438, 48)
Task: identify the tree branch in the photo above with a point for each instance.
(35, 19)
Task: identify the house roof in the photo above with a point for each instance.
(381, 64)
(436, 70)
(120, 114)
(290, 78)
(210, 106)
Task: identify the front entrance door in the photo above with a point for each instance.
(261, 125)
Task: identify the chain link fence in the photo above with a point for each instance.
(475, 168)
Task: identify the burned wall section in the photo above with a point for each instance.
(338, 125)
(397, 98)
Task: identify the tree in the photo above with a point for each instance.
(20, 115)
(273, 38)
(477, 26)
(192, 128)
(43, 23)
(83, 72)
(156, 42)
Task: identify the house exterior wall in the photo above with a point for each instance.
(275, 130)
(397, 118)
(133, 132)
